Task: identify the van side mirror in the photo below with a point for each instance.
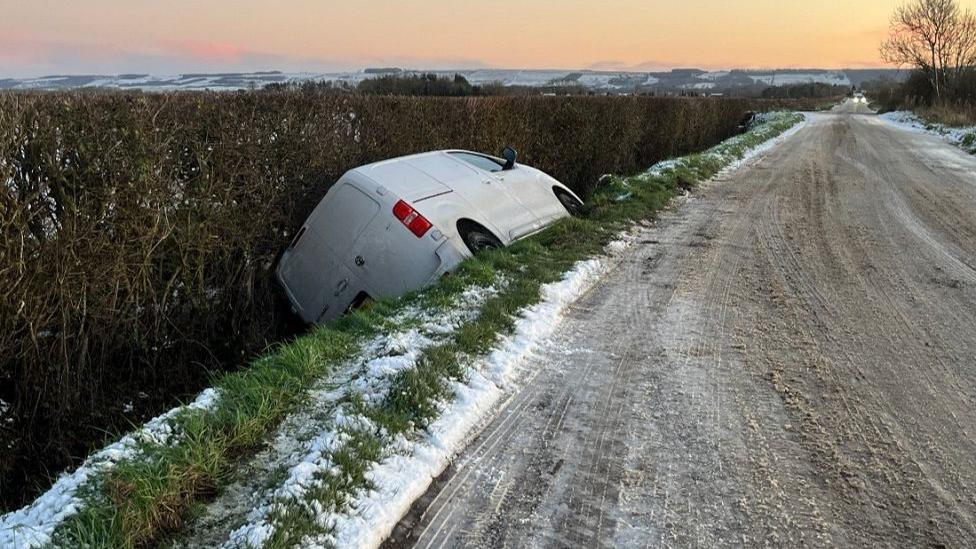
(510, 156)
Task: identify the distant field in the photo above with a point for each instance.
(607, 81)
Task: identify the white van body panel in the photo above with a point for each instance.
(352, 245)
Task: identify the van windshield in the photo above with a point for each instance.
(479, 161)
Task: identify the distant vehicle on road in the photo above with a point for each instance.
(395, 226)
(860, 98)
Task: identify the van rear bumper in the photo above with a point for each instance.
(445, 257)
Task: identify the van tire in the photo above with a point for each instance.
(572, 205)
(476, 237)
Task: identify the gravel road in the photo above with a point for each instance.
(787, 358)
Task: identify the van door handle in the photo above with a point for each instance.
(341, 286)
(487, 181)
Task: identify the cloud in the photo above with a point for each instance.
(607, 66)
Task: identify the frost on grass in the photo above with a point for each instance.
(964, 138)
(770, 129)
(413, 459)
(304, 447)
(406, 474)
(34, 525)
(409, 463)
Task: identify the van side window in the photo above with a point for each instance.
(478, 161)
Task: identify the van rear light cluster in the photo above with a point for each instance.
(411, 218)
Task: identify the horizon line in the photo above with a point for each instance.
(460, 70)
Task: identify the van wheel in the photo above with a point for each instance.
(573, 206)
(477, 238)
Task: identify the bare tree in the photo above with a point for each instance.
(934, 36)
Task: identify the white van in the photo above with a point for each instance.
(395, 226)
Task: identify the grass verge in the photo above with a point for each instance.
(143, 500)
(957, 131)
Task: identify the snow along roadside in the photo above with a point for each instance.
(765, 146)
(382, 359)
(33, 526)
(402, 478)
(964, 138)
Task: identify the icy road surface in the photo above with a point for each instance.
(788, 359)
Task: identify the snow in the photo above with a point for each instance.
(716, 75)
(369, 379)
(596, 80)
(661, 167)
(401, 479)
(789, 79)
(964, 138)
(593, 79)
(34, 525)
(731, 163)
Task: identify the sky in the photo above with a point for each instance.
(40, 37)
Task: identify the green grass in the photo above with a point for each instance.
(145, 500)
(968, 142)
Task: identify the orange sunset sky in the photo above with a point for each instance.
(110, 36)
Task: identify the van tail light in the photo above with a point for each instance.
(411, 219)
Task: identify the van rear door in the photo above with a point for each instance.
(316, 281)
(317, 272)
(393, 259)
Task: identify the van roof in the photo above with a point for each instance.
(417, 159)
(418, 175)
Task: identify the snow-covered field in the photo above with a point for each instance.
(699, 86)
(591, 79)
(964, 138)
(788, 79)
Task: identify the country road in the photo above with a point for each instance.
(788, 358)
